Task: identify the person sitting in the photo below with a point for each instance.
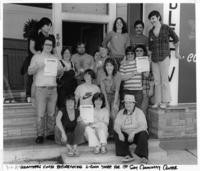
(83, 96)
(131, 127)
(66, 122)
(96, 133)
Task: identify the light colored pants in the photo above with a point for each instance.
(96, 136)
(45, 106)
(162, 88)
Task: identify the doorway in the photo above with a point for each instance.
(90, 33)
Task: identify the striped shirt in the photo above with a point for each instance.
(134, 83)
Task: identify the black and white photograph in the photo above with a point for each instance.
(99, 84)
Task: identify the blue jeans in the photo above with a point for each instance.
(46, 98)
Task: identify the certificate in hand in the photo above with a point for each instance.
(142, 64)
(87, 113)
(50, 67)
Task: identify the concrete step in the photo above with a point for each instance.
(20, 151)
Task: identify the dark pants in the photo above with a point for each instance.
(140, 139)
(75, 137)
(138, 96)
(29, 81)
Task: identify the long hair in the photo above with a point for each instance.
(124, 28)
(113, 62)
(101, 97)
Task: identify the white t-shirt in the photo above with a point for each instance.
(85, 93)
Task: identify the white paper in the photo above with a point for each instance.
(50, 67)
(142, 64)
(87, 113)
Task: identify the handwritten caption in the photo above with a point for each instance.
(97, 167)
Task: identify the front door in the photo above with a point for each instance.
(94, 37)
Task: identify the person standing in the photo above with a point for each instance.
(46, 89)
(132, 79)
(35, 41)
(139, 38)
(82, 61)
(118, 39)
(159, 38)
(67, 83)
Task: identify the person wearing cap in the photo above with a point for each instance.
(131, 127)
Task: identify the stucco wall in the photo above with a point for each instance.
(121, 11)
(14, 17)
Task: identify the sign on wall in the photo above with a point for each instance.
(171, 16)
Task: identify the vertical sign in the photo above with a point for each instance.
(171, 16)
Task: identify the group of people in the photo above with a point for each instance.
(109, 82)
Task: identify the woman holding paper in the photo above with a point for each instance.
(97, 132)
(159, 38)
(140, 51)
(83, 96)
(132, 79)
(45, 68)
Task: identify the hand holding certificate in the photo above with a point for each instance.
(142, 64)
(50, 67)
(87, 113)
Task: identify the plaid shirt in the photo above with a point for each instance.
(160, 45)
(146, 83)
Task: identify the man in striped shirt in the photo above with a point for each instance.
(132, 79)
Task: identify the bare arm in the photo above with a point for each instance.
(59, 123)
(32, 47)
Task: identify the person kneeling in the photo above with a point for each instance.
(96, 133)
(66, 122)
(131, 127)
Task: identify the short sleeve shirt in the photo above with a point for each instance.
(85, 93)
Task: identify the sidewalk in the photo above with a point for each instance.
(27, 152)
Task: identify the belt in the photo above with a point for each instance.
(47, 87)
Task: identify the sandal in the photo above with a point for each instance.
(128, 159)
(144, 160)
(70, 152)
(97, 150)
(103, 149)
(76, 153)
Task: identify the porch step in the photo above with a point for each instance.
(19, 121)
(18, 152)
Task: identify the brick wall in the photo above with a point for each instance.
(174, 122)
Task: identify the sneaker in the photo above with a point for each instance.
(39, 140)
(155, 105)
(144, 160)
(103, 149)
(28, 99)
(50, 137)
(96, 150)
(163, 105)
(76, 153)
(128, 159)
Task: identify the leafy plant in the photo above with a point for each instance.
(30, 28)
